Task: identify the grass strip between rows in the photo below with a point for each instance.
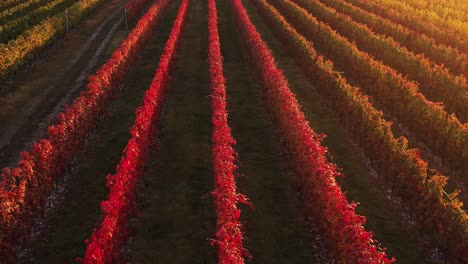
(401, 168)
(443, 35)
(229, 234)
(456, 61)
(24, 188)
(345, 236)
(19, 51)
(106, 242)
(443, 133)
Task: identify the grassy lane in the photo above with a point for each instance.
(30, 103)
(381, 217)
(273, 231)
(10, 4)
(18, 25)
(177, 215)
(26, 7)
(79, 213)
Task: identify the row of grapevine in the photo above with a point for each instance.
(418, 43)
(25, 187)
(19, 10)
(443, 133)
(324, 201)
(453, 9)
(435, 81)
(442, 35)
(401, 168)
(454, 25)
(18, 52)
(229, 236)
(106, 242)
(10, 3)
(14, 27)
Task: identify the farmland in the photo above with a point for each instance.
(233, 131)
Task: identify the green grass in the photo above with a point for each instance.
(177, 215)
(50, 80)
(274, 233)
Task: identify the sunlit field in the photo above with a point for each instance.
(233, 131)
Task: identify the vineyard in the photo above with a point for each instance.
(233, 131)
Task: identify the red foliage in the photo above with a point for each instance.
(442, 132)
(24, 189)
(402, 170)
(229, 236)
(107, 241)
(134, 8)
(324, 201)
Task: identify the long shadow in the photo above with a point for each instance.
(274, 231)
(80, 212)
(382, 218)
(177, 215)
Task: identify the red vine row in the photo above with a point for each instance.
(343, 229)
(107, 241)
(25, 187)
(229, 236)
(400, 167)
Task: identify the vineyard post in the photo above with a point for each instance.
(66, 20)
(126, 19)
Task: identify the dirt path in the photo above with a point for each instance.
(29, 105)
(73, 221)
(382, 218)
(273, 230)
(177, 216)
